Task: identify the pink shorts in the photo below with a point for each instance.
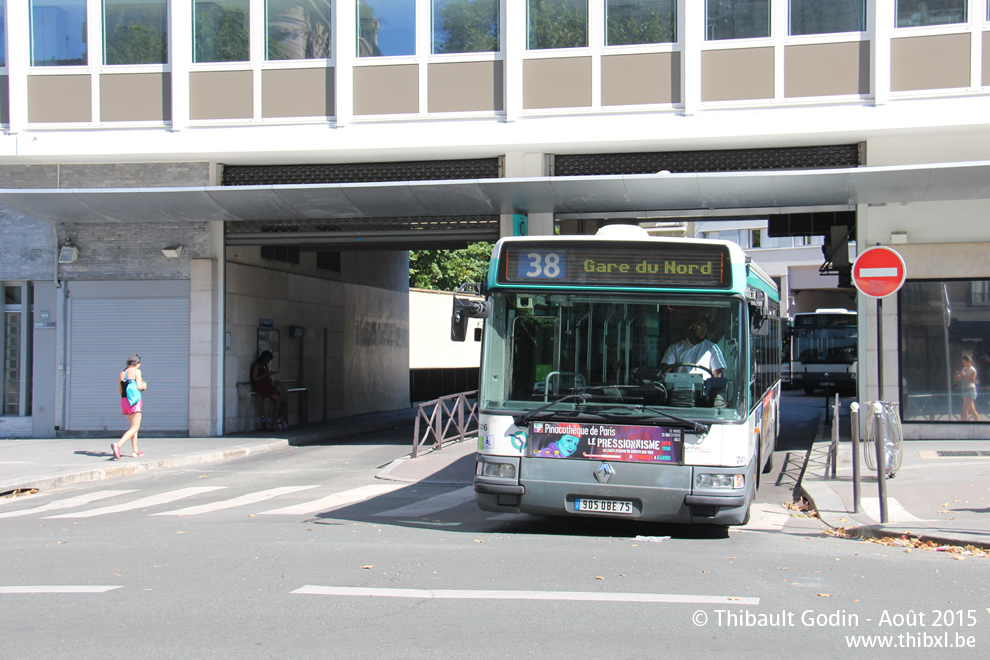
(127, 408)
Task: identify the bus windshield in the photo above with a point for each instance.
(825, 345)
(616, 354)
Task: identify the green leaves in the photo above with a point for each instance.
(447, 270)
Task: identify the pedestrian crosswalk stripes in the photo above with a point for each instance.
(335, 500)
(153, 500)
(432, 504)
(895, 511)
(67, 503)
(250, 498)
(765, 517)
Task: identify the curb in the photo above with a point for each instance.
(50, 483)
(878, 532)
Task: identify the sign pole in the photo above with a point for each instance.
(879, 272)
(879, 349)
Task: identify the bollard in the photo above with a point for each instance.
(879, 444)
(854, 429)
(834, 447)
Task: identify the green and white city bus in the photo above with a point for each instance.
(586, 410)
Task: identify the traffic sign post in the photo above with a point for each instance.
(879, 272)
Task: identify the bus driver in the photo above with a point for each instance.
(694, 349)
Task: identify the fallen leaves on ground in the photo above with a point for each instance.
(802, 507)
(19, 493)
(909, 543)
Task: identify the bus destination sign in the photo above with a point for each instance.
(606, 442)
(689, 265)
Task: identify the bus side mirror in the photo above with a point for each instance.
(464, 309)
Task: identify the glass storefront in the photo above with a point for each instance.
(941, 322)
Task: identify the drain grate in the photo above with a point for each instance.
(956, 453)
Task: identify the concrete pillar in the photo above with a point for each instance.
(204, 378)
(528, 164)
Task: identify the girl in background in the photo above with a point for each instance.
(132, 372)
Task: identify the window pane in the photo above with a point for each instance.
(12, 295)
(3, 35)
(58, 32)
(465, 26)
(221, 31)
(640, 22)
(911, 13)
(941, 322)
(737, 19)
(135, 32)
(557, 24)
(817, 17)
(11, 363)
(298, 29)
(386, 27)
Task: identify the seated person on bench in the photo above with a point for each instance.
(264, 384)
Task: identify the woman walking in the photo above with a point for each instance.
(131, 385)
(968, 378)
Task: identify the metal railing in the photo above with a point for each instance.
(449, 418)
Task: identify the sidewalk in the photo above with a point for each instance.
(46, 464)
(941, 493)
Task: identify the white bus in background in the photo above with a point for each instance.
(823, 350)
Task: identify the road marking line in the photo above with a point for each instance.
(56, 589)
(153, 500)
(895, 512)
(67, 503)
(432, 504)
(335, 500)
(458, 594)
(250, 498)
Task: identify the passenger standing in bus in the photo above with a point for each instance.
(695, 349)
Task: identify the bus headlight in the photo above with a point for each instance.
(502, 470)
(705, 480)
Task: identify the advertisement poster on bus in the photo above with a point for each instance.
(607, 442)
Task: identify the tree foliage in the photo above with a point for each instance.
(447, 270)
(135, 44)
(641, 23)
(467, 26)
(558, 24)
(222, 32)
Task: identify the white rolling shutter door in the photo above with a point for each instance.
(103, 333)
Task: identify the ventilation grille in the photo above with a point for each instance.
(329, 225)
(956, 453)
(423, 170)
(734, 160)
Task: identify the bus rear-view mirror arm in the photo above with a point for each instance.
(467, 308)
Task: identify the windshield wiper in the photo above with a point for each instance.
(523, 419)
(699, 428)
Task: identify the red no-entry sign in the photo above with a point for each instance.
(879, 272)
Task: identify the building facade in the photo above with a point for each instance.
(196, 180)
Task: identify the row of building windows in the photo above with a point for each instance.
(136, 31)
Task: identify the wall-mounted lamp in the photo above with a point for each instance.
(68, 254)
(173, 252)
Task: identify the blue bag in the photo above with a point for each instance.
(132, 391)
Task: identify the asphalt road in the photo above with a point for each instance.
(306, 554)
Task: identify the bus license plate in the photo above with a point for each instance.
(603, 506)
